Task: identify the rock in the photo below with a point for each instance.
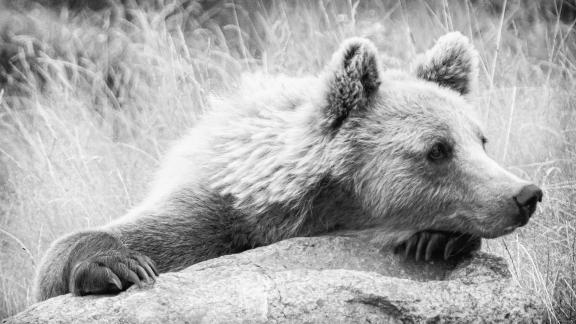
(309, 280)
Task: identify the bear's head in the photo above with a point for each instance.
(414, 153)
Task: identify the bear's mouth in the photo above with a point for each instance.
(495, 234)
(470, 224)
(509, 230)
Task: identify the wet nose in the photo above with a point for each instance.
(527, 199)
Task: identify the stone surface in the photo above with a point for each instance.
(314, 280)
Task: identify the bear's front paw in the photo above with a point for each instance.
(437, 245)
(111, 272)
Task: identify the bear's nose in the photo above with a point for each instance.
(527, 199)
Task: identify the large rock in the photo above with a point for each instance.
(314, 280)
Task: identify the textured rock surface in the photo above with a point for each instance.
(316, 280)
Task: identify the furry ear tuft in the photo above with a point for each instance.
(352, 78)
(452, 63)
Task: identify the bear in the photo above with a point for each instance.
(397, 155)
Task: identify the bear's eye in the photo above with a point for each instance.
(484, 142)
(439, 152)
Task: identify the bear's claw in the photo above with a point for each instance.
(112, 272)
(438, 245)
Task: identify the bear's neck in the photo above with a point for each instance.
(326, 207)
(282, 182)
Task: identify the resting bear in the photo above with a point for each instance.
(398, 155)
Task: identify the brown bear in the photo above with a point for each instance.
(398, 155)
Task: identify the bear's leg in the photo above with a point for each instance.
(187, 229)
(438, 245)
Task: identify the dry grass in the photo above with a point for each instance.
(79, 144)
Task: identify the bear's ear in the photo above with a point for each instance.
(452, 63)
(351, 80)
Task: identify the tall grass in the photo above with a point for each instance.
(99, 100)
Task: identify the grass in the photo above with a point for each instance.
(99, 99)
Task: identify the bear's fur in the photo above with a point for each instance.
(396, 155)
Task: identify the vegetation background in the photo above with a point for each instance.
(93, 92)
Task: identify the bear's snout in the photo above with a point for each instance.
(526, 200)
